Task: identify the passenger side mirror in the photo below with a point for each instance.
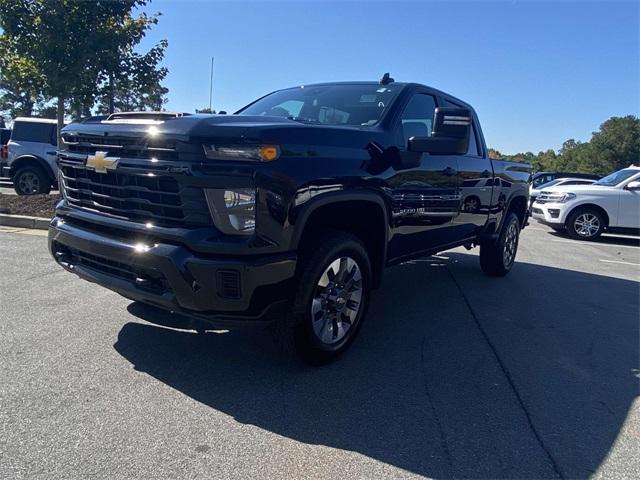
(450, 135)
(635, 185)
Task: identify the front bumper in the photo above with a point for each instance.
(549, 213)
(220, 289)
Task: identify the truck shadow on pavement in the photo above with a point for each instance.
(453, 374)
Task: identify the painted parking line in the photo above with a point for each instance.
(595, 244)
(620, 262)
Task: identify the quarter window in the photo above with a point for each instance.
(473, 145)
(417, 118)
(34, 132)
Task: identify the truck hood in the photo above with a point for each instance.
(233, 128)
(579, 189)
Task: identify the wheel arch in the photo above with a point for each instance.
(593, 206)
(519, 205)
(28, 160)
(363, 214)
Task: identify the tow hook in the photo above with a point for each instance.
(63, 260)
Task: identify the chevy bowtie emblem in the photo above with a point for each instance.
(101, 163)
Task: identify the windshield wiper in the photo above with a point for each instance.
(303, 119)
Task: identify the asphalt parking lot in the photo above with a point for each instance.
(453, 375)
(6, 186)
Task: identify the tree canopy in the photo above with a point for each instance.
(614, 146)
(78, 52)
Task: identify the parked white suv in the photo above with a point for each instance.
(31, 156)
(558, 182)
(585, 211)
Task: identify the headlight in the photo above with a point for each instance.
(233, 210)
(565, 197)
(253, 153)
(555, 197)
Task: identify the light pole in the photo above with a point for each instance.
(211, 89)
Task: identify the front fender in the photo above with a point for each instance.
(300, 213)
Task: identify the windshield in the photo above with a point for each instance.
(356, 105)
(617, 177)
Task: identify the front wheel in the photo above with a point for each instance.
(585, 224)
(331, 300)
(30, 181)
(498, 256)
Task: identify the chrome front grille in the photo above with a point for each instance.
(132, 147)
(544, 197)
(145, 198)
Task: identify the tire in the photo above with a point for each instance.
(322, 321)
(498, 256)
(471, 204)
(31, 180)
(585, 224)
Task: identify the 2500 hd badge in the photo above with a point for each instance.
(288, 211)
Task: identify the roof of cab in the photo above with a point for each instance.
(35, 120)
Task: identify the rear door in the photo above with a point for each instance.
(426, 199)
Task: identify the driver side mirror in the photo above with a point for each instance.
(450, 135)
(635, 185)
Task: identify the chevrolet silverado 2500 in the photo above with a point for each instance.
(288, 211)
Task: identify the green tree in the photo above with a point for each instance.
(135, 83)
(20, 87)
(73, 46)
(616, 145)
(494, 154)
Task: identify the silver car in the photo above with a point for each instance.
(31, 159)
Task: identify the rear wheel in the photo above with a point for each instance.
(585, 224)
(331, 299)
(31, 180)
(498, 256)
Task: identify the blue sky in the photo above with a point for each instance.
(537, 72)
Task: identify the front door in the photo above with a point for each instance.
(629, 208)
(426, 199)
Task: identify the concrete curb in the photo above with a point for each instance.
(23, 221)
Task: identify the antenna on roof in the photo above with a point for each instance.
(386, 79)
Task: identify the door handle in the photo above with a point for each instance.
(486, 174)
(449, 171)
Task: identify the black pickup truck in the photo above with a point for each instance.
(287, 212)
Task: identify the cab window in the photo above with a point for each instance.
(417, 118)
